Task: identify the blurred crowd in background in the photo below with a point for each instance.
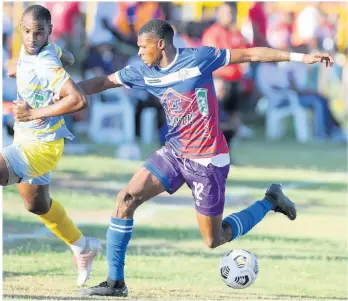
(103, 38)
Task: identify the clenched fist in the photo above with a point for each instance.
(22, 111)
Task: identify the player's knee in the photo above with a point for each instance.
(37, 204)
(127, 203)
(211, 242)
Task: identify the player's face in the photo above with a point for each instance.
(34, 34)
(150, 49)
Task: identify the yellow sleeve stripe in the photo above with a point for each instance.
(22, 85)
(40, 132)
(61, 78)
(58, 50)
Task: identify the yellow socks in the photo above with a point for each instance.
(60, 224)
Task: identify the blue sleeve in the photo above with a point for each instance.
(208, 59)
(131, 77)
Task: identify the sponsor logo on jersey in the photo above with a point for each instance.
(202, 100)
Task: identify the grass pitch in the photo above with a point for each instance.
(166, 259)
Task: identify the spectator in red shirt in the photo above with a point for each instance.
(66, 32)
(258, 19)
(225, 34)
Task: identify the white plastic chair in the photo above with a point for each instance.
(120, 113)
(276, 116)
(148, 125)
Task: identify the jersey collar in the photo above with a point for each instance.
(172, 63)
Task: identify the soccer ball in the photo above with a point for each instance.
(239, 269)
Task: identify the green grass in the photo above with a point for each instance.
(166, 259)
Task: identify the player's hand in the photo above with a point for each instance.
(56, 98)
(22, 111)
(319, 57)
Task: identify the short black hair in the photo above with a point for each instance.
(38, 12)
(158, 28)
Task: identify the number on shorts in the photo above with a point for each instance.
(198, 190)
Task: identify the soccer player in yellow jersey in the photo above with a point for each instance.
(40, 132)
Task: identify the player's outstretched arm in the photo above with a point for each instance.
(99, 84)
(73, 99)
(263, 54)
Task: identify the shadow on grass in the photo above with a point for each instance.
(48, 243)
(300, 185)
(56, 272)
(170, 250)
(106, 177)
(82, 182)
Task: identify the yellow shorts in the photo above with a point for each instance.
(32, 161)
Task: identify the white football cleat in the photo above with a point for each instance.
(84, 261)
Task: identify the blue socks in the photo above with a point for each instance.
(243, 221)
(117, 238)
(120, 231)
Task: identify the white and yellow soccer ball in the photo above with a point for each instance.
(239, 269)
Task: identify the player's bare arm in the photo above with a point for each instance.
(99, 84)
(73, 99)
(263, 54)
(66, 58)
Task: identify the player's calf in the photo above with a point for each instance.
(212, 231)
(213, 242)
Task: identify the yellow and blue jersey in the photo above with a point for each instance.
(38, 145)
(39, 78)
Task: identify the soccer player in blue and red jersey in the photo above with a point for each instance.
(196, 152)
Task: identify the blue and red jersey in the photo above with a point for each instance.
(186, 91)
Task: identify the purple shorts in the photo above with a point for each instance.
(207, 183)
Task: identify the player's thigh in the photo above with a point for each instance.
(208, 186)
(208, 189)
(165, 168)
(144, 185)
(32, 159)
(36, 197)
(158, 174)
(42, 156)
